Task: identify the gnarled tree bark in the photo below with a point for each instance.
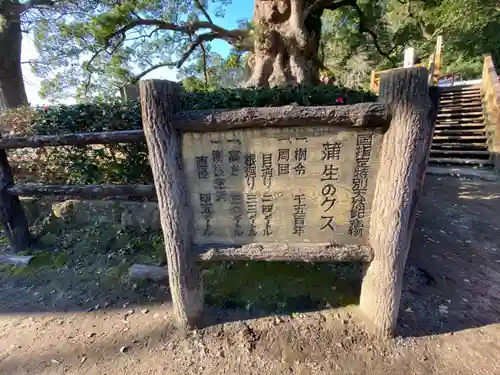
(12, 95)
(12, 91)
(286, 42)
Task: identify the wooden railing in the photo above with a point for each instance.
(491, 103)
(434, 67)
(12, 215)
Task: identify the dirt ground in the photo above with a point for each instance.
(449, 318)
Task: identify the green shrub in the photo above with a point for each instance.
(128, 163)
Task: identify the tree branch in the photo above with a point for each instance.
(86, 85)
(204, 58)
(325, 4)
(188, 28)
(149, 70)
(363, 29)
(200, 39)
(203, 10)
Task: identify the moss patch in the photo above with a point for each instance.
(281, 287)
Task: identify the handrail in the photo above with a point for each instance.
(434, 68)
(491, 100)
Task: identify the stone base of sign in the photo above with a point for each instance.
(288, 253)
(144, 271)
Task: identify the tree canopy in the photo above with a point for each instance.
(90, 47)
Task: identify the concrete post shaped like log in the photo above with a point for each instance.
(159, 100)
(403, 161)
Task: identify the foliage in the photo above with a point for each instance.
(211, 71)
(90, 47)
(128, 163)
(468, 28)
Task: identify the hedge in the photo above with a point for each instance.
(128, 163)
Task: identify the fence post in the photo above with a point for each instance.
(403, 160)
(12, 215)
(159, 99)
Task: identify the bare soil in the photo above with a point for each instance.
(73, 320)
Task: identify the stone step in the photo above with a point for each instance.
(461, 108)
(459, 137)
(475, 98)
(479, 153)
(460, 132)
(464, 125)
(459, 117)
(460, 103)
(479, 146)
(460, 88)
(460, 92)
(461, 99)
(459, 121)
(480, 162)
(461, 114)
(454, 112)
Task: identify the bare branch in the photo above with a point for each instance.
(217, 32)
(203, 10)
(86, 85)
(204, 57)
(188, 28)
(325, 4)
(364, 29)
(200, 39)
(149, 70)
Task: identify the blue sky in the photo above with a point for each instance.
(238, 10)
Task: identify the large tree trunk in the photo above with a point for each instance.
(286, 43)
(12, 92)
(12, 95)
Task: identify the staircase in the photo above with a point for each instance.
(460, 136)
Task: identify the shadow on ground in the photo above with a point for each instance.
(453, 270)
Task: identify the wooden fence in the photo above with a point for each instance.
(367, 160)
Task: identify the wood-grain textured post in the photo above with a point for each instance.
(159, 100)
(403, 160)
(15, 224)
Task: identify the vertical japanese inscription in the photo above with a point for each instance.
(270, 186)
(330, 153)
(299, 214)
(267, 212)
(250, 170)
(220, 176)
(283, 160)
(206, 212)
(236, 200)
(202, 167)
(251, 201)
(267, 169)
(360, 184)
(234, 160)
(300, 157)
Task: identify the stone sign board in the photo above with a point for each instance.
(281, 185)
